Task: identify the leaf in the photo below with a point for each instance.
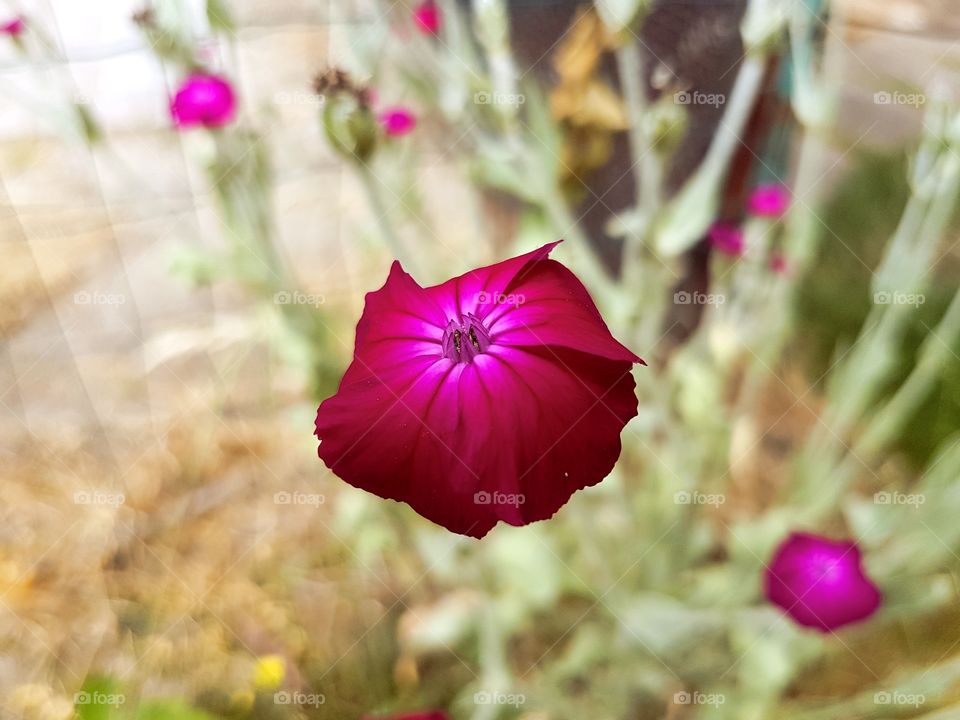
(577, 55)
(169, 709)
(219, 17)
(98, 699)
(688, 216)
(593, 103)
(493, 167)
(665, 626)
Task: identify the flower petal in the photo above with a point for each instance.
(478, 291)
(556, 310)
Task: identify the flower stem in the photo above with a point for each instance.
(373, 188)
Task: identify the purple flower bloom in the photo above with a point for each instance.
(726, 238)
(820, 583)
(769, 200)
(427, 17)
(397, 121)
(203, 99)
(494, 396)
(14, 27)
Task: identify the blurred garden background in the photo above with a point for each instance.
(175, 301)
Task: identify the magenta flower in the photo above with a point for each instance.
(769, 200)
(820, 583)
(397, 121)
(427, 17)
(494, 396)
(13, 28)
(726, 238)
(202, 99)
(423, 715)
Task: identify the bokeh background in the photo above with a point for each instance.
(169, 539)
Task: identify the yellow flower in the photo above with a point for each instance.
(269, 672)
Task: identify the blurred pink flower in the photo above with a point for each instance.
(769, 200)
(397, 121)
(422, 715)
(778, 263)
(492, 397)
(203, 99)
(14, 27)
(820, 583)
(726, 238)
(427, 17)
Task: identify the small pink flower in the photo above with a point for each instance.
(820, 583)
(423, 715)
(769, 200)
(13, 28)
(726, 238)
(202, 99)
(778, 263)
(427, 17)
(397, 121)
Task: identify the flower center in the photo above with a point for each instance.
(464, 339)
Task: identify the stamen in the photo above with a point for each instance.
(467, 327)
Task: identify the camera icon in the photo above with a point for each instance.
(282, 698)
(882, 698)
(81, 698)
(481, 98)
(282, 498)
(682, 698)
(682, 297)
(882, 498)
(882, 298)
(682, 497)
(882, 98)
(282, 298)
(482, 698)
(682, 98)
(482, 497)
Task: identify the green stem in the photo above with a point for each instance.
(373, 188)
(936, 352)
